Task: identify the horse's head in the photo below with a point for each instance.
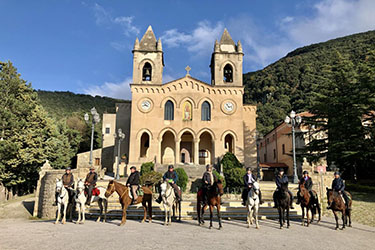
(220, 187)
(59, 185)
(284, 186)
(110, 189)
(80, 185)
(164, 187)
(329, 196)
(256, 188)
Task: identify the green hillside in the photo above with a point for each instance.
(290, 83)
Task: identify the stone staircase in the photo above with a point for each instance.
(231, 208)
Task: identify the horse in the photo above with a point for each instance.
(336, 203)
(81, 201)
(308, 203)
(126, 200)
(283, 204)
(214, 198)
(252, 204)
(170, 202)
(62, 200)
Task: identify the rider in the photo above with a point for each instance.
(282, 179)
(133, 182)
(248, 180)
(338, 185)
(208, 180)
(306, 179)
(171, 177)
(68, 182)
(90, 183)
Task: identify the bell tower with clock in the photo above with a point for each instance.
(226, 62)
(148, 59)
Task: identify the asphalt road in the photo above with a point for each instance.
(25, 234)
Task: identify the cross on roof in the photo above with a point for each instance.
(187, 70)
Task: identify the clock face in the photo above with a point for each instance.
(229, 106)
(146, 105)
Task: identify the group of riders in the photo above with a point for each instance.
(208, 180)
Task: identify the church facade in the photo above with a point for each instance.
(185, 121)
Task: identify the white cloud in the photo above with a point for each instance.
(331, 19)
(199, 41)
(105, 18)
(116, 90)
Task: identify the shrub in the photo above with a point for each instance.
(234, 177)
(230, 161)
(182, 178)
(220, 177)
(147, 167)
(151, 178)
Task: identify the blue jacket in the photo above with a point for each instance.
(280, 180)
(171, 175)
(338, 184)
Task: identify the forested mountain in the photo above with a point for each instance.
(292, 82)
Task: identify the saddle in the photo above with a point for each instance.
(95, 192)
(139, 192)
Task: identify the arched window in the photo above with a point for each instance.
(145, 144)
(228, 73)
(169, 111)
(146, 72)
(206, 111)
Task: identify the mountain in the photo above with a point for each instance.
(291, 82)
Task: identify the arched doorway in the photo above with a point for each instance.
(167, 148)
(187, 148)
(205, 149)
(229, 143)
(144, 144)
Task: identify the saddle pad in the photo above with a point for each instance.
(140, 191)
(95, 191)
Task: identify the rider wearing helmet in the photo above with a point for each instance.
(90, 183)
(248, 179)
(282, 179)
(133, 182)
(68, 182)
(306, 179)
(338, 185)
(208, 180)
(171, 177)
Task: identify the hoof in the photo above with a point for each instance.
(287, 227)
(210, 227)
(336, 228)
(350, 225)
(343, 228)
(142, 221)
(219, 228)
(56, 222)
(150, 221)
(248, 226)
(82, 222)
(257, 227)
(281, 227)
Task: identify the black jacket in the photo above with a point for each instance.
(133, 179)
(246, 179)
(280, 180)
(207, 177)
(308, 183)
(338, 184)
(91, 178)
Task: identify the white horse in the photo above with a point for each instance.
(62, 199)
(252, 205)
(170, 201)
(81, 201)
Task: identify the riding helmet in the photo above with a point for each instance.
(170, 166)
(337, 173)
(133, 167)
(208, 166)
(248, 168)
(281, 170)
(305, 172)
(68, 168)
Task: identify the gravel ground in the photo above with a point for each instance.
(37, 234)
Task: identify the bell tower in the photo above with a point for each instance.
(226, 62)
(148, 59)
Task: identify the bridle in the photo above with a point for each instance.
(110, 191)
(61, 191)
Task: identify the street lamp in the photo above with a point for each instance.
(258, 137)
(293, 120)
(95, 119)
(120, 136)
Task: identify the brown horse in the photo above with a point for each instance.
(214, 199)
(125, 199)
(336, 203)
(308, 203)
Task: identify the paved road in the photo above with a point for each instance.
(23, 234)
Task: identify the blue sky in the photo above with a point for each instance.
(85, 46)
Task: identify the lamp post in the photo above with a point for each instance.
(258, 137)
(95, 119)
(293, 121)
(120, 136)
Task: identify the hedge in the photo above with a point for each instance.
(147, 167)
(182, 178)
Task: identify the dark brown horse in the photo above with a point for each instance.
(308, 203)
(283, 204)
(214, 199)
(126, 200)
(336, 203)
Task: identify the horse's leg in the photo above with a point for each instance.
(211, 215)
(349, 216)
(280, 216)
(144, 205)
(83, 213)
(319, 211)
(219, 214)
(343, 216)
(336, 218)
(58, 213)
(123, 220)
(64, 216)
(287, 217)
(105, 209)
(256, 215)
(307, 216)
(248, 215)
(149, 203)
(165, 214)
(100, 200)
(303, 215)
(202, 213)
(179, 211)
(170, 215)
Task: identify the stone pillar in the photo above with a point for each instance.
(159, 152)
(213, 156)
(196, 152)
(177, 152)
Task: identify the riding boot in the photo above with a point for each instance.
(274, 201)
(291, 200)
(55, 203)
(260, 197)
(159, 199)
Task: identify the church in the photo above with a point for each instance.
(185, 122)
